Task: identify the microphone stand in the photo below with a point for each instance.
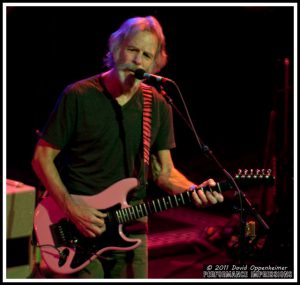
(245, 205)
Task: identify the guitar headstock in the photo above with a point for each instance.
(251, 176)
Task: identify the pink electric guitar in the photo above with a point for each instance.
(65, 250)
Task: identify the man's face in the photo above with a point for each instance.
(138, 51)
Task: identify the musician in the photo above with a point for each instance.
(94, 138)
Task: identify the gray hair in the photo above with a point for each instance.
(131, 26)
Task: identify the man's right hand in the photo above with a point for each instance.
(89, 221)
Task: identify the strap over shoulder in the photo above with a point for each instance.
(147, 120)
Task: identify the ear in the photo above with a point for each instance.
(115, 55)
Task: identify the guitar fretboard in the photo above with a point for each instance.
(158, 205)
(132, 213)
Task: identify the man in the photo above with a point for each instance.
(94, 138)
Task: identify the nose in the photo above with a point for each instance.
(138, 58)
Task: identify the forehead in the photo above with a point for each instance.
(143, 40)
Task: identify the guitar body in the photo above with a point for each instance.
(63, 248)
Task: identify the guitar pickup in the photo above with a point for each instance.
(64, 233)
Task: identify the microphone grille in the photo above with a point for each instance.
(139, 73)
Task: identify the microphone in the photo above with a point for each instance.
(142, 74)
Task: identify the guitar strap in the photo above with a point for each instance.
(147, 120)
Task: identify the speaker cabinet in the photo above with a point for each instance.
(20, 205)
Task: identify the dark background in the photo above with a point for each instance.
(227, 62)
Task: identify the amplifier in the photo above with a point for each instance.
(20, 205)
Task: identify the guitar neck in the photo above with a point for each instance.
(246, 178)
(133, 213)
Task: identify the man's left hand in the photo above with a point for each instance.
(204, 198)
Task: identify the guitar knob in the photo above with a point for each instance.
(257, 172)
(74, 241)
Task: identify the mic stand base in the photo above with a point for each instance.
(248, 209)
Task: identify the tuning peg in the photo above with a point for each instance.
(250, 174)
(253, 173)
(238, 174)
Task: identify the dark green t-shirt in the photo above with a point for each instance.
(101, 141)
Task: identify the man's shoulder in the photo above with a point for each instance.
(84, 85)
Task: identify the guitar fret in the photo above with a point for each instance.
(123, 216)
(183, 202)
(153, 203)
(175, 197)
(119, 217)
(159, 205)
(141, 210)
(170, 201)
(134, 213)
(146, 211)
(130, 213)
(189, 195)
(138, 212)
(219, 187)
(166, 207)
(127, 215)
(149, 209)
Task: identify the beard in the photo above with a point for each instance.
(125, 72)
